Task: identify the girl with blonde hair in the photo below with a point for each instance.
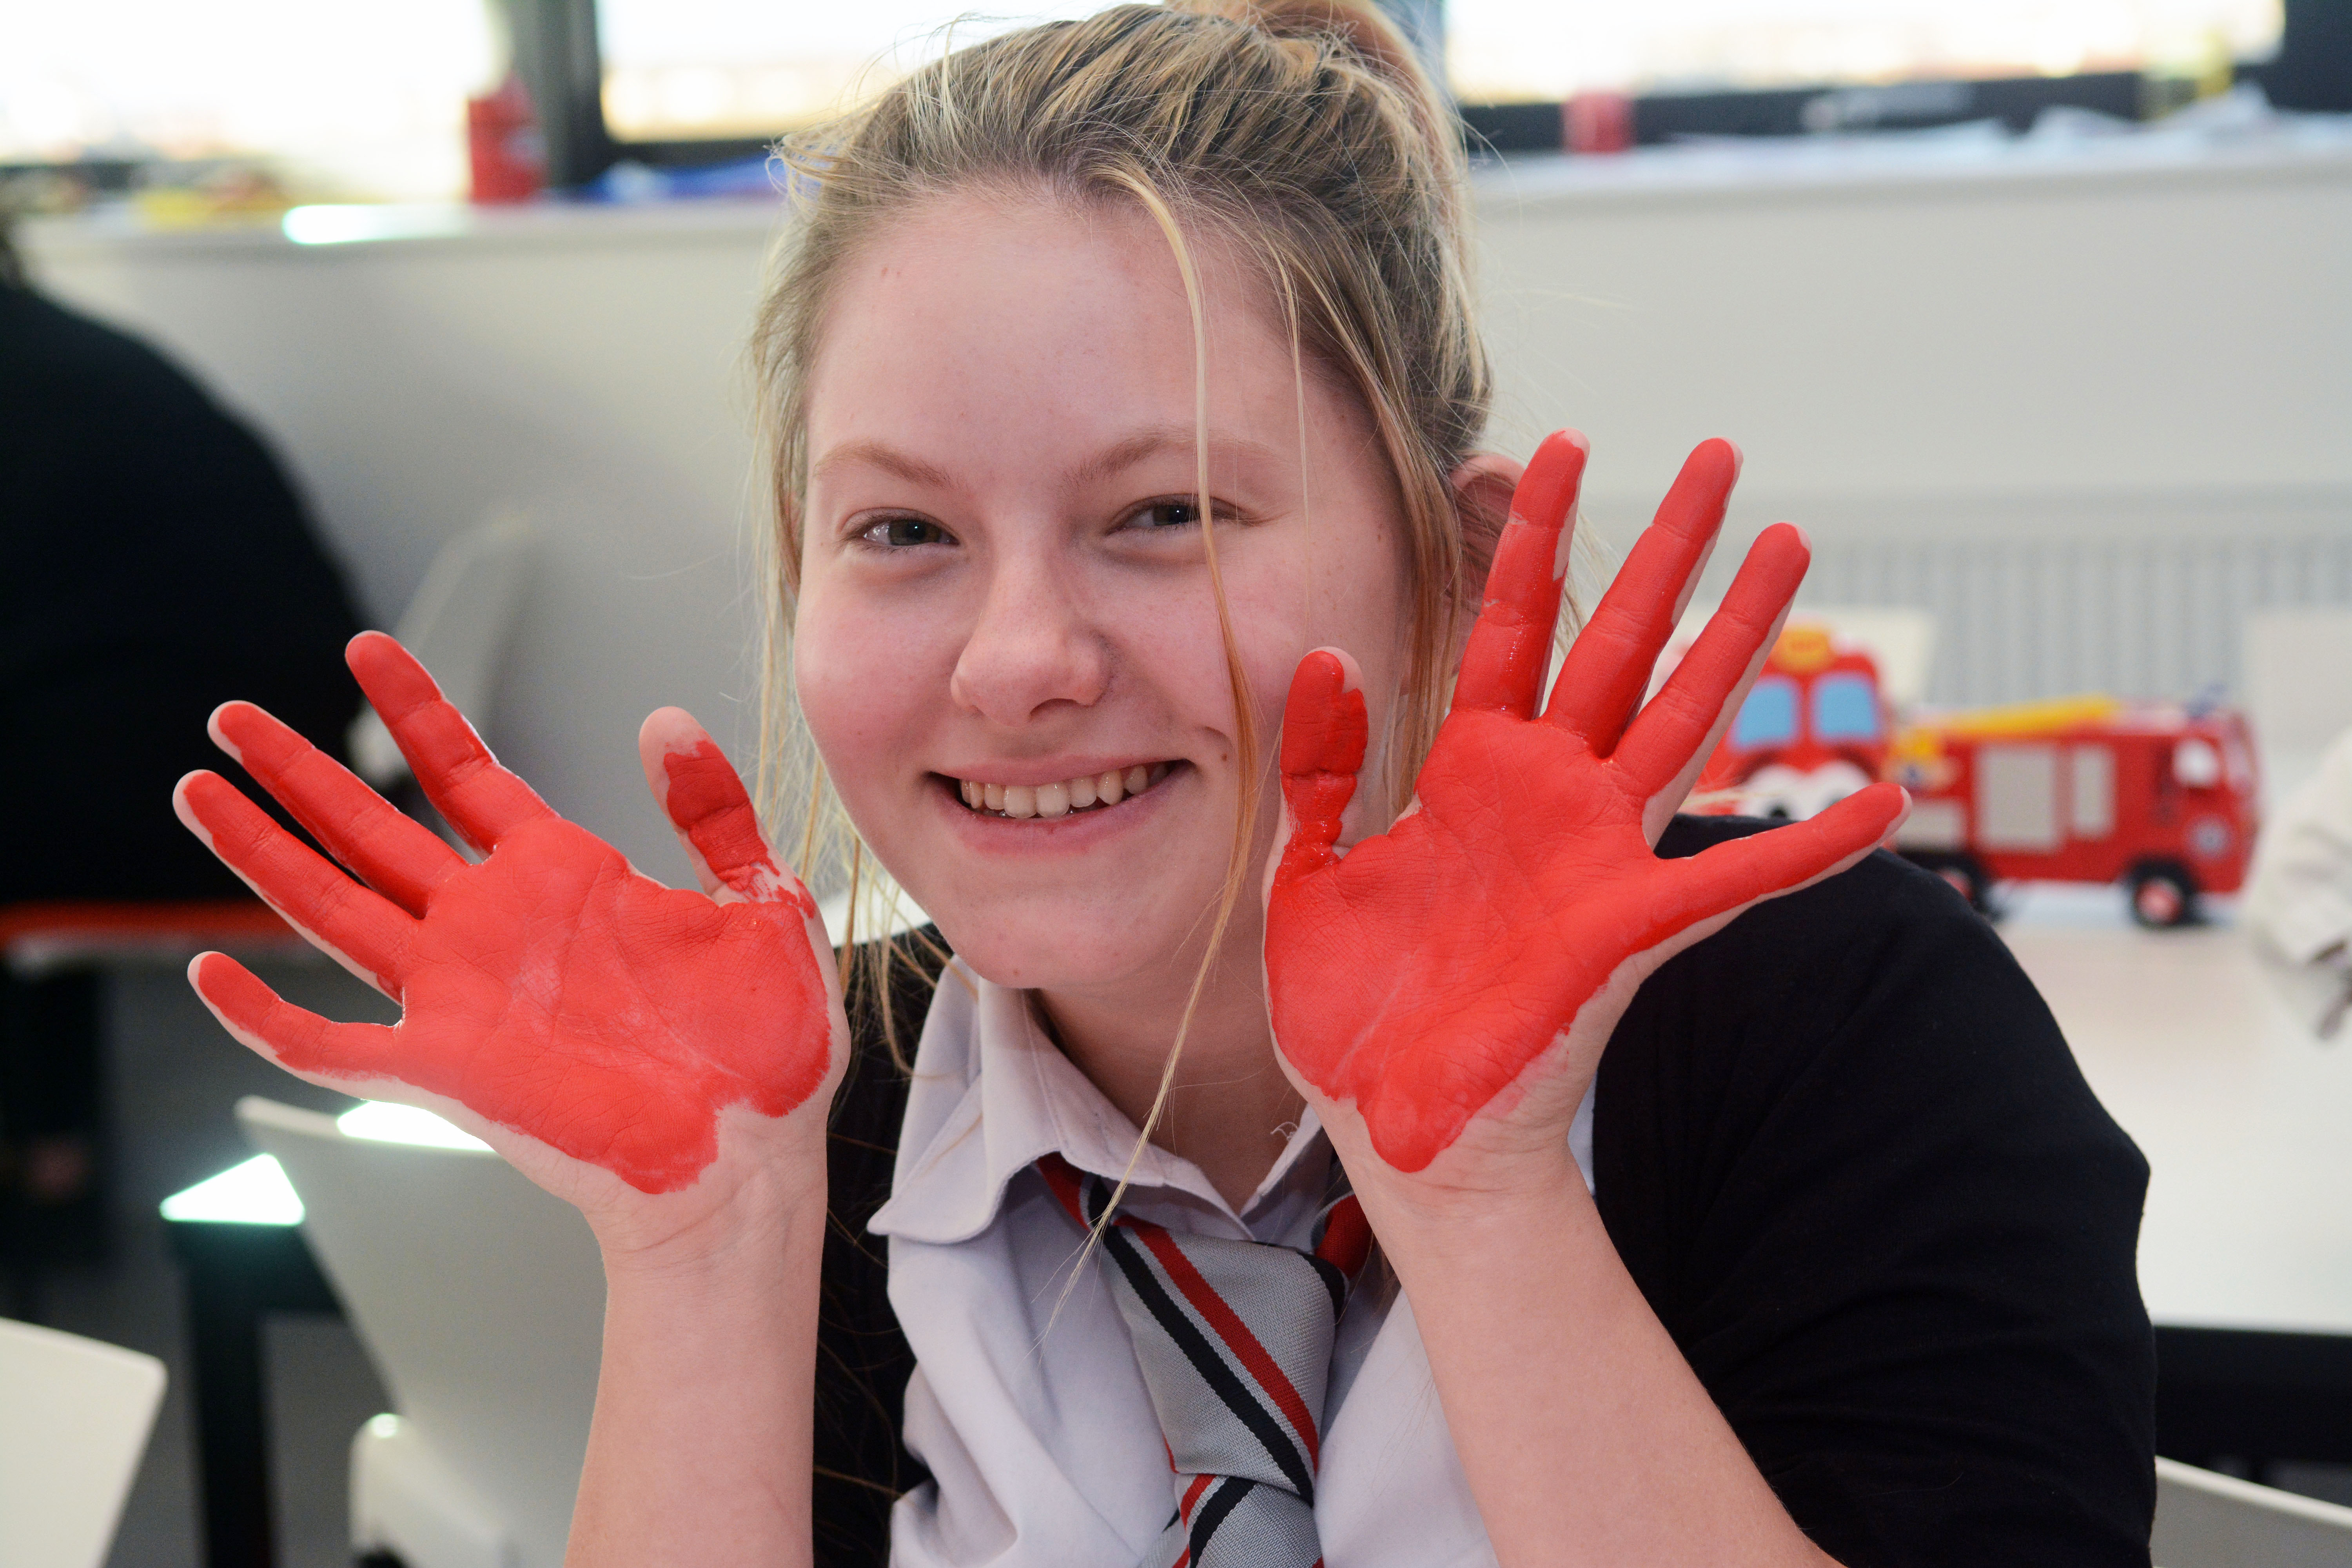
(1360, 1121)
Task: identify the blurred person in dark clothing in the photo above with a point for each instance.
(154, 560)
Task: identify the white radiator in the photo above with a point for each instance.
(2141, 599)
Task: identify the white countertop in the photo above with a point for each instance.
(2245, 1118)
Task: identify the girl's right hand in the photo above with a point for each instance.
(663, 1059)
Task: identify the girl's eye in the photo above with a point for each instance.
(1162, 514)
(904, 532)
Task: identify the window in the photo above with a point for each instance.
(1769, 717)
(342, 99)
(1500, 51)
(712, 69)
(2196, 763)
(1845, 708)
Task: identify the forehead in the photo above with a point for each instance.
(998, 321)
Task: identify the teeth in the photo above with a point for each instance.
(1050, 801)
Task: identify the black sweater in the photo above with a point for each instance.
(1845, 1152)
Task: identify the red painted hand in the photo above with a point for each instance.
(571, 1011)
(1473, 960)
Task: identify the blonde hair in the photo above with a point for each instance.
(1302, 132)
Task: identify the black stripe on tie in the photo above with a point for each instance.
(1227, 1497)
(1245, 1405)
(1333, 1280)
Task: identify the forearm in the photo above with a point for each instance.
(1585, 1436)
(699, 1453)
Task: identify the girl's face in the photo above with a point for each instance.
(1004, 589)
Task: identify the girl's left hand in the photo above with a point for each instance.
(1443, 992)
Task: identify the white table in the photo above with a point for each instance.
(2245, 1252)
(2245, 1118)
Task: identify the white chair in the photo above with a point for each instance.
(2298, 693)
(74, 1419)
(456, 625)
(2209, 1520)
(481, 1300)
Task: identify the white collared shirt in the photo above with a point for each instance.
(1027, 1404)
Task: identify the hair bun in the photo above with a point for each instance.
(1361, 28)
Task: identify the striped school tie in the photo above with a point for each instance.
(1234, 1340)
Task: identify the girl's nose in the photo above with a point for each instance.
(1032, 646)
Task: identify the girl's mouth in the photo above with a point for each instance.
(1066, 797)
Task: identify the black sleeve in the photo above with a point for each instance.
(862, 1357)
(1846, 1154)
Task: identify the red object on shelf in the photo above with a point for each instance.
(35, 936)
(503, 141)
(1597, 123)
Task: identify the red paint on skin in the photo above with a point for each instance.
(707, 802)
(550, 989)
(1421, 974)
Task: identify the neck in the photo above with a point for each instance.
(1230, 1110)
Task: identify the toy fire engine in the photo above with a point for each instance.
(2085, 789)
(1813, 730)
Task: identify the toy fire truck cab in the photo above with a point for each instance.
(1813, 730)
(2159, 798)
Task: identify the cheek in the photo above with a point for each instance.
(860, 682)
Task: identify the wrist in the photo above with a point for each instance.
(1461, 1212)
(759, 1229)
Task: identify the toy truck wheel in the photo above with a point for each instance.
(2162, 894)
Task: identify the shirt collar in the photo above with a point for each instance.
(991, 1095)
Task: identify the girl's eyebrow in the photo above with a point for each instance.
(889, 458)
(1113, 460)
(1158, 439)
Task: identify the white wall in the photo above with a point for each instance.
(2103, 347)
(2091, 405)
(2051, 327)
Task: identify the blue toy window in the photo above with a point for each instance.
(1769, 717)
(1845, 708)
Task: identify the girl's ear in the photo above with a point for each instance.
(1482, 487)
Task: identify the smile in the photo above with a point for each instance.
(1088, 792)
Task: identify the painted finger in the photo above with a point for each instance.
(1510, 647)
(704, 799)
(480, 799)
(396, 855)
(1731, 875)
(1608, 666)
(361, 930)
(1675, 732)
(300, 1041)
(1323, 734)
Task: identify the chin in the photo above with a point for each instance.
(1075, 943)
(1049, 955)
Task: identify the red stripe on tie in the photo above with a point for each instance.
(1347, 1238)
(1192, 1496)
(1064, 1183)
(1236, 1334)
